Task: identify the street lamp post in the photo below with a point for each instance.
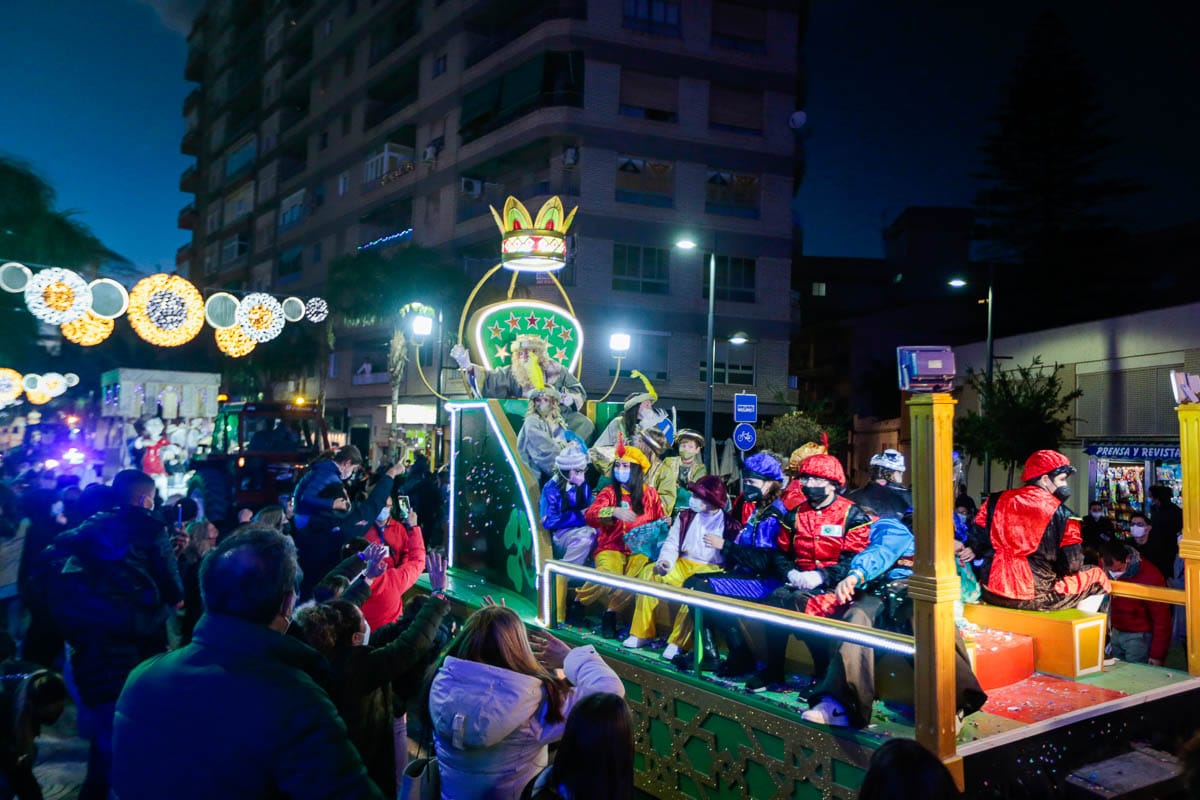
(958, 283)
(422, 328)
(618, 344)
(688, 244)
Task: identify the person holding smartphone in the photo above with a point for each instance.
(397, 528)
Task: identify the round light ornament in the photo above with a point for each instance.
(72, 379)
(53, 384)
(109, 298)
(221, 310)
(89, 330)
(260, 316)
(10, 385)
(38, 398)
(14, 276)
(233, 342)
(316, 309)
(57, 295)
(293, 309)
(166, 310)
(32, 382)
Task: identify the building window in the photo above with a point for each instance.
(737, 27)
(734, 364)
(239, 204)
(291, 210)
(731, 194)
(241, 157)
(659, 17)
(649, 353)
(348, 64)
(343, 184)
(322, 140)
(316, 252)
(818, 289)
(439, 64)
(274, 38)
(289, 261)
(264, 232)
(646, 96)
(641, 269)
(212, 223)
(735, 279)
(735, 110)
(646, 182)
(212, 258)
(234, 248)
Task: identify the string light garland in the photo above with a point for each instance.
(57, 295)
(233, 342)
(260, 316)
(316, 309)
(89, 330)
(166, 310)
(10, 386)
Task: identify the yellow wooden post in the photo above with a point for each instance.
(934, 584)
(1189, 546)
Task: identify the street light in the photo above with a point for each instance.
(422, 329)
(618, 344)
(739, 338)
(958, 283)
(690, 244)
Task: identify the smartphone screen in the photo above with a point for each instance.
(405, 505)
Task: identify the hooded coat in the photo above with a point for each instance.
(489, 723)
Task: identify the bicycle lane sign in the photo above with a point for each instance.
(744, 436)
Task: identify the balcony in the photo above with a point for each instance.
(187, 181)
(292, 116)
(194, 69)
(502, 24)
(290, 167)
(187, 217)
(393, 33)
(391, 164)
(190, 144)
(192, 100)
(471, 207)
(571, 99)
(519, 91)
(184, 254)
(391, 93)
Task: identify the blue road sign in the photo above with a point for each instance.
(744, 436)
(745, 408)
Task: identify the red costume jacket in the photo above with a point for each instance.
(1036, 542)
(406, 562)
(610, 531)
(813, 538)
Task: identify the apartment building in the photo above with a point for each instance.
(321, 127)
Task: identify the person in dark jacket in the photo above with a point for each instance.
(421, 488)
(239, 711)
(884, 492)
(111, 602)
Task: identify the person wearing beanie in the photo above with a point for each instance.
(564, 500)
(664, 470)
(822, 533)
(542, 434)
(623, 506)
(1036, 563)
(686, 552)
(690, 468)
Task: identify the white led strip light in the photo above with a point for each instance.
(797, 622)
(453, 408)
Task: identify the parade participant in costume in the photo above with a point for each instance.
(639, 412)
(749, 562)
(541, 435)
(884, 492)
(687, 551)
(564, 500)
(690, 446)
(874, 593)
(151, 444)
(625, 506)
(816, 544)
(1037, 551)
(664, 471)
(531, 368)
(793, 493)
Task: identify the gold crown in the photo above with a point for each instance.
(529, 245)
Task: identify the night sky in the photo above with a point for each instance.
(899, 96)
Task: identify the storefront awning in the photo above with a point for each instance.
(1131, 451)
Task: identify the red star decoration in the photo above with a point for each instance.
(565, 334)
(495, 330)
(514, 322)
(560, 354)
(532, 320)
(549, 324)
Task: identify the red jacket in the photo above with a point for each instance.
(818, 537)
(1141, 616)
(406, 562)
(1036, 542)
(610, 531)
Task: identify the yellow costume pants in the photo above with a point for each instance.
(618, 564)
(643, 615)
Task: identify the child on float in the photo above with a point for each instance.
(565, 499)
(623, 506)
(692, 547)
(690, 464)
(748, 563)
(664, 470)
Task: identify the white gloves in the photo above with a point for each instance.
(461, 356)
(809, 579)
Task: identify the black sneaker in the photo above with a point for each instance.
(738, 663)
(576, 614)
(761, 682)
(685, 661)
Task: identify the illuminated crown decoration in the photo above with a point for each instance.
(533, 245)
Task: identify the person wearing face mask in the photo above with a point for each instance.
(563, 503)
(619, 508)
(542, 433)
(1141, 630)
(687, 551)
(1158, 533)
(690, 464)
(663, 474)
(1096, 529)
(639, 413)
(884, 492)
(402, 566)
(1037, 548)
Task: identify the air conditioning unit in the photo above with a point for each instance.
(570, 156)
(472, 187)
(431, 154)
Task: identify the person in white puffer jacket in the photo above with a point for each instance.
(495, 703)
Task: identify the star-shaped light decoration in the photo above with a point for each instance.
(565, 334)
(548, 324)
(532, 320)
(501, 353)
(514, 322)
(560, 355)
(495, 330)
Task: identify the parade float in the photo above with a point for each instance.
(1054, 704)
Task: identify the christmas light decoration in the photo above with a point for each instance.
(221, 310)
(166, 310)
(497, 326)
(89, 330)
(260, 316)
(316, 309)
(233, 342)
(109, 298)
(37, 398)
(57, 295)
(10, 386)
(293, 309)
(14, 276)
(533, 245)
(53, 384)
